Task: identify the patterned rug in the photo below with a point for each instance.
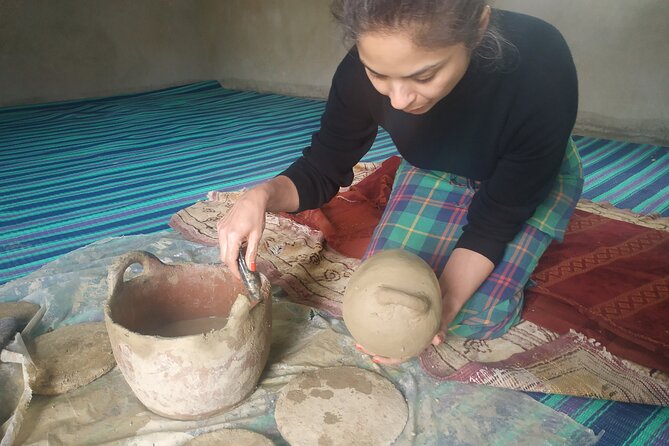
(609, 280)
(296, 258)
(569, 365)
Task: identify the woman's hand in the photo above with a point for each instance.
(245, 221)
(447, 316)
(463, 274)
(380, 359)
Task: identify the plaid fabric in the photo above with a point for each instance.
(426, 213)
(552, 216)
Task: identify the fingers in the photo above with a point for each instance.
(231, 255)
(244, 222)
(386, 361)
(363, 349)
(229, 247)
(252, 250)
(438, 338)
(379, 359)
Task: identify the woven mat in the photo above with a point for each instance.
(570, 365)
(609, 280)
(296, 258)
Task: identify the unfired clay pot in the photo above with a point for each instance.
(194, 376)
(392, 304)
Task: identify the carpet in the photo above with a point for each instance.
(609, 280)
(627, 175)
(296, 257)
(569, 365)
(622, 424)
(74, 172)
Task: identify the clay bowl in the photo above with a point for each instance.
(194, 376)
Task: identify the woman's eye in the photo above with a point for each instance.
(424, 80)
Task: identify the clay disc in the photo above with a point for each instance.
(230, 437)
(70, 357)
(340, 406)
(21, 311)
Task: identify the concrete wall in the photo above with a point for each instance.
(286, 46)
(65, 49)
(621, 51)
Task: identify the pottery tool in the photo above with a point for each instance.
(250, 278)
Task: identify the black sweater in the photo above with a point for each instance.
(507, 126)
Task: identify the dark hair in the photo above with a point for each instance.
(432, 23)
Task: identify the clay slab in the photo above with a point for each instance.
(70, 357)
(230, 437)
(340, 406)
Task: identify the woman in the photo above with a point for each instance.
(480, 104)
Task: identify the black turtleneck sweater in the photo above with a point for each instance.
(506, 125)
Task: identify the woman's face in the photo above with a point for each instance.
(413, 77)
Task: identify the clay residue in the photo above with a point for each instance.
(296, 395)
(331, 418)
(309, 382)
(189, 327)
(356, 380)
(324, 440)
(21, 311)
(323, 394)
(70, 357)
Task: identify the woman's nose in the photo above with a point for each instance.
(401, 96)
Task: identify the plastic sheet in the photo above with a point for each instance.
(73, 288)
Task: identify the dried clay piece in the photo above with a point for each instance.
(21, 311)
(69, 357)
(392, 304)
(340, 406)
(230, 437)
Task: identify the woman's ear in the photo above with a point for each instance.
(484, 21)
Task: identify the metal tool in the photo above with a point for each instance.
(250, 278)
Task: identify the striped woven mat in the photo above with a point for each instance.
(629, 176)
(74, 172)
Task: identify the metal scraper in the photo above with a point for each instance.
(250, 278)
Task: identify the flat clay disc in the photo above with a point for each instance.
(340, 406)
(230, 437)
(70, 357)
(21, 311)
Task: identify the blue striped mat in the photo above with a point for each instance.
(74, 172)
(77, 171)
(622, 424)
(627, 175)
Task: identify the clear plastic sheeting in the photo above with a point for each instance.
(73, 288)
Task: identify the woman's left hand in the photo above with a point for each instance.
(380, 359)
(447, 316)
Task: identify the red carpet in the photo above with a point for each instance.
(609, 280)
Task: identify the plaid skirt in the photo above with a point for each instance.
(426, 213)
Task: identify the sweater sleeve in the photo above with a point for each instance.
(542, 118)
(346, 133)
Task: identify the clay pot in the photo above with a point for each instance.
(392, 304)
(194, 376)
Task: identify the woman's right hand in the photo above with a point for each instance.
(244, 222)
